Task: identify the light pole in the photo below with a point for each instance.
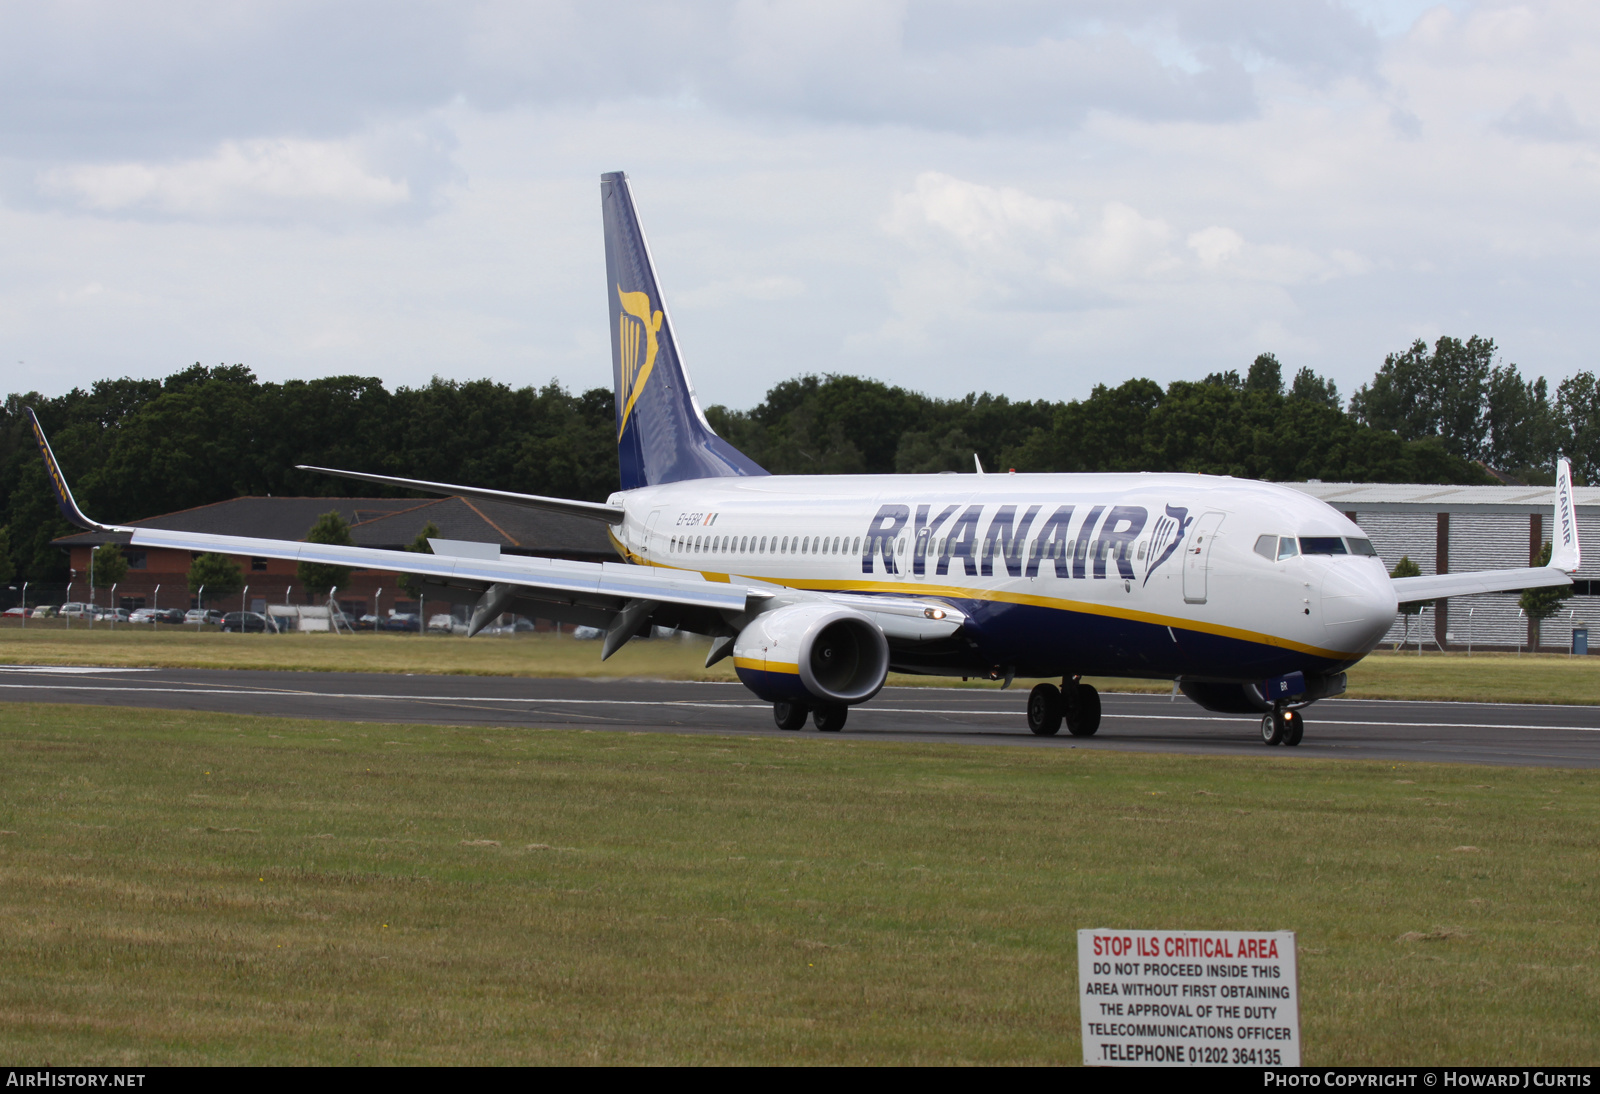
(113, 605)
(68, 600)
(200, 602)
(377, 609)
(1469, 630)
(244, 598)
(24, 605)
(91, 588)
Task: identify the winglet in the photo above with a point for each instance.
(1564, 554)
(58, 482)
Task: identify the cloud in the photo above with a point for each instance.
(1550, 120)
(102, 80)
(736, 290)
(241, 179)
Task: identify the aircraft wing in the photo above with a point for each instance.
(614, 590)
(1565, 558)
(1440, 586)
(613, 581)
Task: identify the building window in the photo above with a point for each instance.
(258, 565)
(137, 560)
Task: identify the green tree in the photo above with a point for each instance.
(110, 565)
(1540, 604)
(219, 575)
(1406, 568)
(409, 582)
(1440, 394)
(1266, 374)
(1314, 389)
(319, 577)
(1578, 423)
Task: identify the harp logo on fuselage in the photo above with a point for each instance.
(637, 327)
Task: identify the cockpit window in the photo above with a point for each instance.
(1287, 547)
(1266, 547)
(1360, 546)
(1322, 545)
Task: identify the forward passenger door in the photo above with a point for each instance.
(1197, 557)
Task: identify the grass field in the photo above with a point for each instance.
(195, 888)
(1505, 678)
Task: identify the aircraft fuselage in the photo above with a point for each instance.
(1152, 575)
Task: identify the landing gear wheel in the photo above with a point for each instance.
(1272, 728)
(789, 716)
(1294, 728)
(1044, 710)
(1083, 711)
(830, 718)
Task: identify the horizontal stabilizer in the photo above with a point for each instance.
(589, 510)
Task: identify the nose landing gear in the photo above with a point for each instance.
(1282, 727)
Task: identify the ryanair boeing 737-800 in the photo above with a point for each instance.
(1255, 598)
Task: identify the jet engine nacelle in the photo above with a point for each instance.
(812, 653)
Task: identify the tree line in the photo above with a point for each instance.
(135, 448)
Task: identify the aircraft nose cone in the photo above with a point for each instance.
(1358, 604)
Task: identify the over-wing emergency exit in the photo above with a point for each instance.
(1254, 597)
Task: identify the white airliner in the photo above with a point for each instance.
(1254, 597)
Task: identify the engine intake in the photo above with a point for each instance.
(812, 653)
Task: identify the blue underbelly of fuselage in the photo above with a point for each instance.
(1035, 641)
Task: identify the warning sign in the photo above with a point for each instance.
(1205, 998)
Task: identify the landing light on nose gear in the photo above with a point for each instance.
(1282, 727)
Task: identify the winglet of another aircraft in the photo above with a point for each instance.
(1564, 552)
(58, 482)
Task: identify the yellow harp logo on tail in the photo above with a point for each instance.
(637, 323)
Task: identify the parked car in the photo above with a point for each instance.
(402, 621)
(112, 615)
(246, 623)
(442, 623)
(143, 615)
(202, 615)
(44, 611)
(170, 615)
(75, 609)
(17, 612)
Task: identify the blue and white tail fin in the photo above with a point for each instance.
(662, 435)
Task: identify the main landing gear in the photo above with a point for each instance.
(1076, 703)
(829, 717)
(1280, 726)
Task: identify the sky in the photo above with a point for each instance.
(1018, 197)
